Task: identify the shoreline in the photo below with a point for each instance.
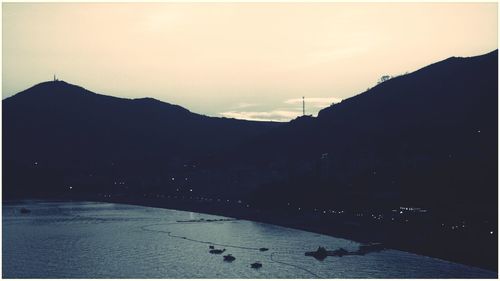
(335, 228)
(284, 219)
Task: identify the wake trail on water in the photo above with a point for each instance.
(293, 265)
(169, 233)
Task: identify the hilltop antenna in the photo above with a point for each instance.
(303, 107)
(55, 78)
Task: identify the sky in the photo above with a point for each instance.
(242, 60)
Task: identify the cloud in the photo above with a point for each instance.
(315, 102)
(273, 115)
(292, 109)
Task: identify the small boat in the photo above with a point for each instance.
(320, 254)
(339, 252)
(263, 249)
(217, 251)
(211, 247)
(25, 211)
(229, 258)
(256, 265)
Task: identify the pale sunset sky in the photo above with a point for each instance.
(243, 60)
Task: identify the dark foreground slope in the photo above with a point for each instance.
(426, 139)
(57, 135)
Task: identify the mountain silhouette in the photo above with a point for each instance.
(68, 132)
(428, 138)
(422, 138)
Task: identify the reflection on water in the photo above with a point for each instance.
(101, 240)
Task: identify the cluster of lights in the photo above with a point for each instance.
(412, 209)
(324, 211)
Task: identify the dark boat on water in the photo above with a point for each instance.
(320, 254)
(217, 251)
(340, 252)
(256, 265)
(229, 258)
(263, 249)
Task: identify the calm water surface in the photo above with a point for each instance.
(101, 240)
